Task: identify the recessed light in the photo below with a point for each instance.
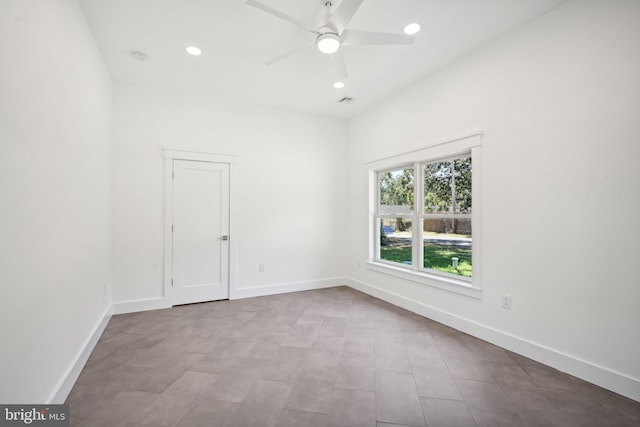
(412, 28)
(338, 85)
(192, 50)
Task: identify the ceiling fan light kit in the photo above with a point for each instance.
(328, 43)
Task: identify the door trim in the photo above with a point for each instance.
(232, 160)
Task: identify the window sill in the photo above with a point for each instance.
(461, 287)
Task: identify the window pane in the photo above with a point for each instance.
(447, 245)
(462, 185)
(447, 186)
(396, 191)
(396, 240)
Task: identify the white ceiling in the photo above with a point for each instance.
(236, 40)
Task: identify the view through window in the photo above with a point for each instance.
(424, 216)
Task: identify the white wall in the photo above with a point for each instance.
(55, 136)
(290, 192)
(559, 102)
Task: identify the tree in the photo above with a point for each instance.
(396, 188)
(396, 191)
(447, 187)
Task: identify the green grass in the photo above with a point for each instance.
(436, 256)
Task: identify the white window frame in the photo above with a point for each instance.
(449, 149)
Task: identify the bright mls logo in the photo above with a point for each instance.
(34, 415)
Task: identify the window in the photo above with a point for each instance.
(423, 226)
(446, 217)
(396, 215)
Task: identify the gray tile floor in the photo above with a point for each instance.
(331, 357)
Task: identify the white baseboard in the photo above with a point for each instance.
(135, 306)
(147, 304)
(68, 380)
(282, 288)
(601, 376)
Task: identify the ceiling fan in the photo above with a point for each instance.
(333, 33)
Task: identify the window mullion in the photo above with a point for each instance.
(376, 234)
(417, 227)
(420, 213)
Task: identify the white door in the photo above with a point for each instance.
(200, 231)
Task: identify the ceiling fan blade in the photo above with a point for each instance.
(278, 14)
(286, 54)
(344, 14)
(338, 65)
(351, 37)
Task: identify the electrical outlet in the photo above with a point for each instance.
(261, 268)
(506, 301)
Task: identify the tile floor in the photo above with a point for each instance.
(331, 357)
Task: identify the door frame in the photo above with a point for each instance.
(169, 156)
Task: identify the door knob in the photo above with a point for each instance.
(225, 237)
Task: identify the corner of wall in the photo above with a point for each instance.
(66, 383)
